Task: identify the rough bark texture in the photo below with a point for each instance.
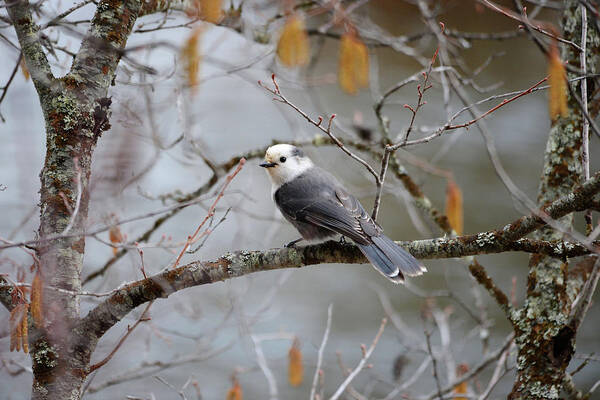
(75, 110)
(544, 338)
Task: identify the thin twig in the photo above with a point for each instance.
(450, 126)
(586, 114)
(413, 78)
(388, 151)
(56, 20)
(409, 381)
(318, 123)
(434, 364)
(110, 355)
(384, 166)
(475, 371)
(421, 89)
(498, 373)
(478, 272)
(10, 79)
(313, 389)
(166, 383)
(585, 297)
(362, 362)
(262, 363)
(502, 104)
(211, 211)
(526, 21)
(173, 208)
(585, 129)
(345, 371)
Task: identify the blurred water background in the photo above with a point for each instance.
(231, 114)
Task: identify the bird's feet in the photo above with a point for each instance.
(292, 244)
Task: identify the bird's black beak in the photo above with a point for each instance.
(268, 164)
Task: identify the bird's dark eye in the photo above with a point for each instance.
(282, 159)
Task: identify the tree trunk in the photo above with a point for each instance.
(544, 336)
(75, 110)
(59, 369)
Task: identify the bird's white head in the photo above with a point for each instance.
(285, 162)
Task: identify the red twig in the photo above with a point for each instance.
(421, 91)
(502, 104)
(318, 123)
(448, 126)
(524, 20)
(142, 268)
(211, 210)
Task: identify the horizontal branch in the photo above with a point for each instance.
(241, 263)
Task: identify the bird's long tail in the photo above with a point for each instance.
(391, 260)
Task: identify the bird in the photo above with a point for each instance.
(319, 207)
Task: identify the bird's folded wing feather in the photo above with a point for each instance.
(338, 211)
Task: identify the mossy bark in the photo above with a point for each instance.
(545, 340)
(75, 110)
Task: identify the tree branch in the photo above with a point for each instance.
(483, 278)
(243, 262)
(158, 6)
(130, 329)
(29, 39)
(580, 309)
(101, 49)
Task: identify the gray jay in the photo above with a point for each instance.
(319, 207)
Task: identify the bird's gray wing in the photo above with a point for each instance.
(333, 209)
(368, 226)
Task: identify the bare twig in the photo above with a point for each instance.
(449, 126)
(434, 364)
(10, 79)
(318, 123)
(482, 277)
(313, 389)
(409, 381)
(148, 368)
(211, 211)
(379, 183)
(585, 129)
(525, 21)
(585, 297)
(345, 371)
(498, 373)
(130, 329)
(166, 383)
(475, 371)
(262, 363)
(57, 20)
(362, 362)
(411, 79)
(421, 89)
